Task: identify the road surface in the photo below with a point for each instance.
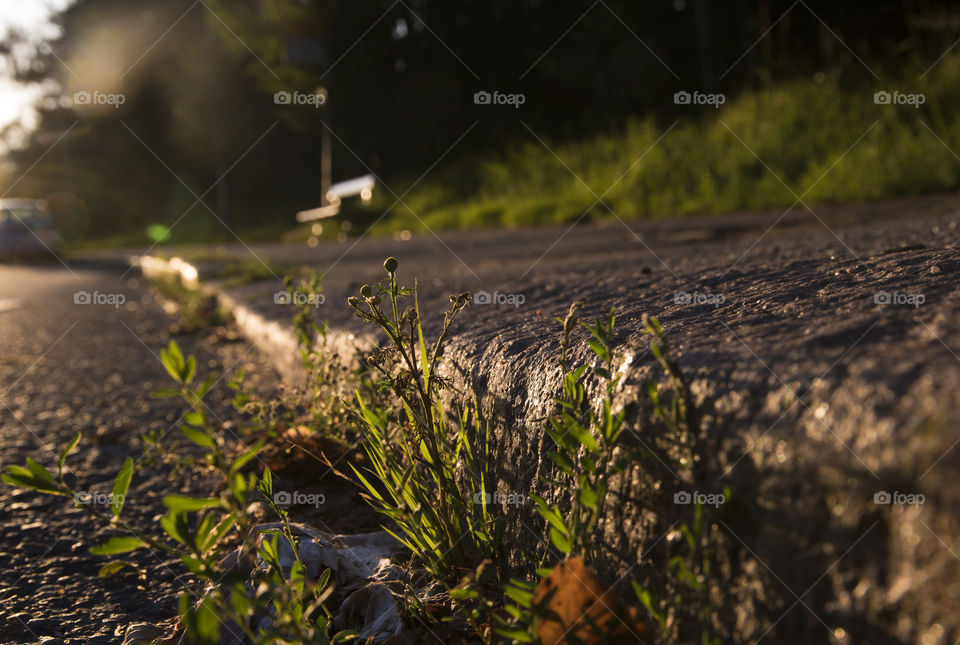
(67, 366)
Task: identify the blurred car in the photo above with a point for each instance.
(27, 231)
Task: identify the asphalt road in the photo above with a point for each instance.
(79, 351)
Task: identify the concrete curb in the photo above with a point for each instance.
(805, 479)
(277, 342)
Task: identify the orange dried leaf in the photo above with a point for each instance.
(575, 608)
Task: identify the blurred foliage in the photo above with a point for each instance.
(200, 146)
(825, 142)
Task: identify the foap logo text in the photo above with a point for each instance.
(684, 97)
(896, 97)
(115, 300)
(898, 298)
(698, 299)
(309, 99)
(85, 98)
(298, 298)
(684, 497)
(499, 499)
(93, 498)
(285, 498)
(500, 299)
(498, 98)
(896, 498)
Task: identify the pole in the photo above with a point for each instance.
(326, 162)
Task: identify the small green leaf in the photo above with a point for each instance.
(266, 483)
(560, 541)
(179, 503)
(245, 458)
(562, 461)
(583, 436)
(519, 635)
(514, 611)
(203, 530)
(41, 474)
(120, 487)
(598, 348)
(66, 452)
(552, 515)
(196, 566)
(190, 370)
(172, 360)
(198, 437)
(218, 533)
(646, 599)
(23, 478)
(207, 384)
(522, 597)
(203, 625)
(464, 594)
(589, 497)
(194, 418)
(119, 544)
(172, 524)
(111, 568)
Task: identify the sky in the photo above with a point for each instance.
(31, 17)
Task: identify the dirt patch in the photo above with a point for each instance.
(317, 495)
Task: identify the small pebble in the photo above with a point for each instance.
(39, 625)
(101, 639)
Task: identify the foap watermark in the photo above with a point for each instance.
(96, 298)
(896, 498)
(85, 498)
(698, 299)
(311, 99)
(696, 497)
(896, 97)
(499, 499)
(284, 498)
(684, 97)
(298, 298)
(898, 298)
(498, 98)
(84, 97)
(496, 298)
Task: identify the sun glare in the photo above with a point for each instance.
(33, 20)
